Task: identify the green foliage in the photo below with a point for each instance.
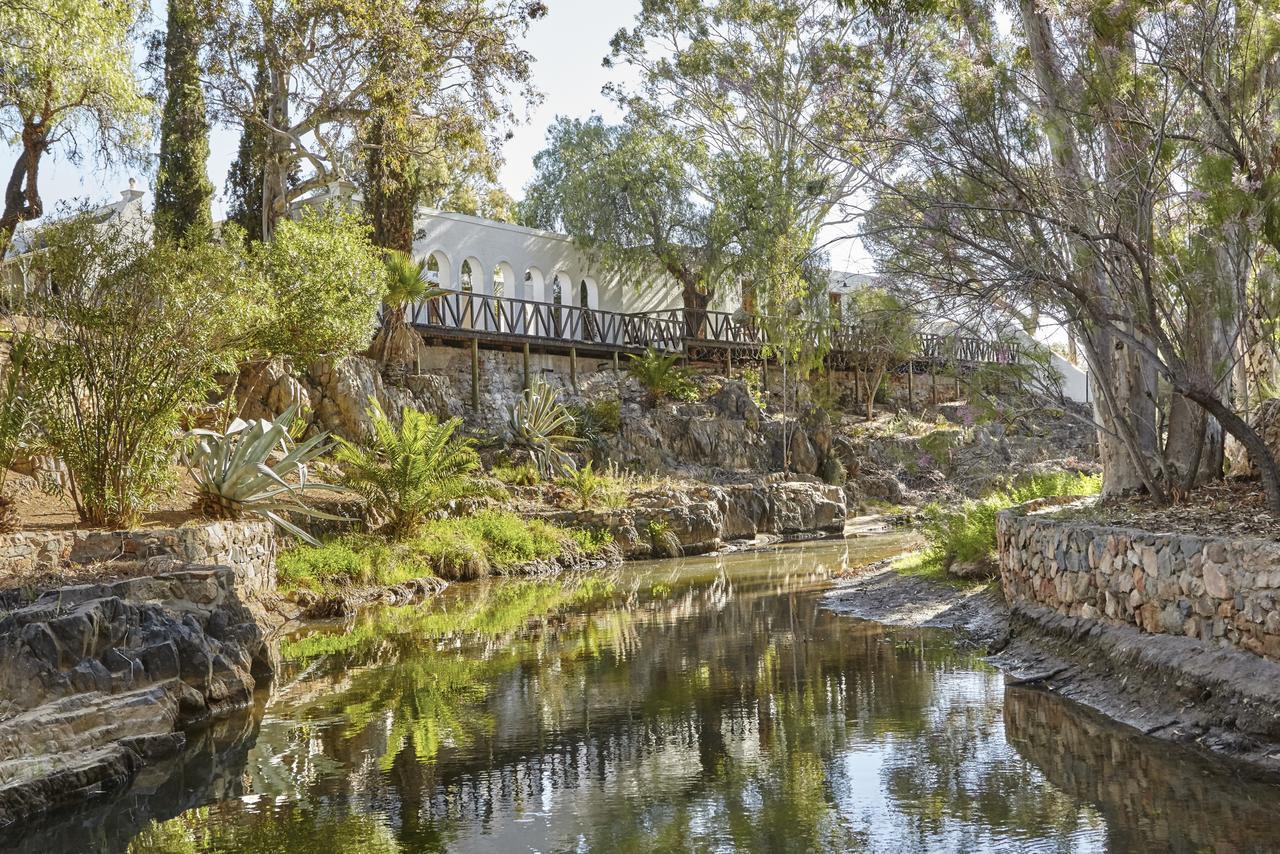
(67, 80)
(255, 467)
(543, 425)
(597, 418)
(967, 534)
(587, 486)
(407, 283)
(15, 415)
(460, 548)
(411, 471)
(661, 376)
(325, 281)
(130, 339)
(591, 541)
(879, 329)
(521, 475)
(183, 189)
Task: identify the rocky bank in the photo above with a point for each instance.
(98, 679)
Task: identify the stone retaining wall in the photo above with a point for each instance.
(1220, 590)
(249, 548)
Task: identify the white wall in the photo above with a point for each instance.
(454, 238)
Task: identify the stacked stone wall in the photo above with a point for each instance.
(248, 548)
(1218, 589)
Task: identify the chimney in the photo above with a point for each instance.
(132, 193)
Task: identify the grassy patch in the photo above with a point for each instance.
(461, 548)
(967, 533)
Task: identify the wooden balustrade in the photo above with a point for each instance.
(482, 316)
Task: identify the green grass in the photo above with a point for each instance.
(967, 533)
(461, 548)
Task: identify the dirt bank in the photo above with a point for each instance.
(878, 593)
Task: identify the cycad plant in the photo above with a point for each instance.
(411, 470)
(236, 475)
(543, 425)
(661, 377)
(407, 283)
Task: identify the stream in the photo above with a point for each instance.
(705, 704)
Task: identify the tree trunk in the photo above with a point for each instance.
(22, 201)
(275, 173)
(695, 306)
(1245, 435)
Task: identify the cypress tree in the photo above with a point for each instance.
(183, 190)
(244, 178)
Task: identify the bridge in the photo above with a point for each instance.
(699, 335)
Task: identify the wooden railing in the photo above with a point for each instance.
(670, 330)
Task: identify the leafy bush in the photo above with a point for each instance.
(325, 281)
(411, 471)
(541, 423)
(235, 475)
(661, 377)
(967, 534)
(15, 417)
(128, 339)
(591, 541)
(597, 419)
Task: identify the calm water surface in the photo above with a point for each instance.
(700, 705)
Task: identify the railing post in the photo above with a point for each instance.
(573, 367)
(475, 373)
(911, 386)
(526, 365)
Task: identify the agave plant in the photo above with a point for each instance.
(541, 423)
(235, 474)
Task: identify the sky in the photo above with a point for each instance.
(568, 46)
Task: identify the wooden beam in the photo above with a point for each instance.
(475, 373)
(525, 354)
(911, 387)
(573, 367)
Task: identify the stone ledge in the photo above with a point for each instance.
(248, 547)
(1218, 590)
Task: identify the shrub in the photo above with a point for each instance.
(463, 548)
(597, 419)
(543, 425)
(967, 534)
(129, 338)
(411, 471)
(661, 377)
(325, 281)
(591, 541)
(235, 474)
(15, 417)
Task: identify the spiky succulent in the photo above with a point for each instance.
(236, 475)
(541, 423)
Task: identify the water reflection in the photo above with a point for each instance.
(704, 705)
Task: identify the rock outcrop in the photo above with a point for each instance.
(674, 522)
(98, 679)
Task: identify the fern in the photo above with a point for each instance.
(412, 470)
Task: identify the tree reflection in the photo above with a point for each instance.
(709, 704)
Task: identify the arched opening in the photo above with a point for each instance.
(471, 283)
(589, 301)
(504, 287)
(535, 291)
(560, 289)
